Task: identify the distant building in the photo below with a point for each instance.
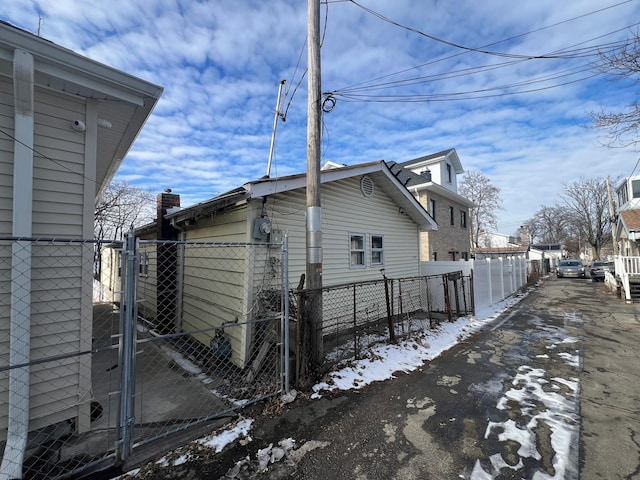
(433, 181)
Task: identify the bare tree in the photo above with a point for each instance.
(622, 63)
(478, 188)
(550, 224)
(121, 206)
(588, 205)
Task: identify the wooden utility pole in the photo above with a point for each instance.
(314, 211)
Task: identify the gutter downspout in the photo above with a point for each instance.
(20, 323)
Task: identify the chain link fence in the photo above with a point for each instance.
(356, 316)
(179, 334)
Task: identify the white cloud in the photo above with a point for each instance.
(220, 63)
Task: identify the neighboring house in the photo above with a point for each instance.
(370, 221)
(549, 254)
(433, 181)
(493, 240)
(55, 162)
(628, 218)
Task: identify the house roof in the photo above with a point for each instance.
(123, 100)
(378, 171)
(415, 181)
(450, 155)
(630, 219)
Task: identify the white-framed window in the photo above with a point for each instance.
(432, 208)
(377, 250)
(356, 250)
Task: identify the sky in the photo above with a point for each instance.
(384, 360)
(403, 79)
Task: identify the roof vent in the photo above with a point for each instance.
(366, 186)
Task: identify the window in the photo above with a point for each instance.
(463, 219)
(434, 256)
(452, 216)
(452, 256)
(465, 255)
(356, 250)
(377, 254)
(432, 208)
(143, 268)
(449, 176)
(635, 187)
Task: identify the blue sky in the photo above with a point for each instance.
(221, 61)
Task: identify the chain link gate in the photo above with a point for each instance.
(151, 356)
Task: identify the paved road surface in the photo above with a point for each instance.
(548, 391)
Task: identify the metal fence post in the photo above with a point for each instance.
(285, 314)
(127, 348)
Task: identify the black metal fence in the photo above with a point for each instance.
(358, 315)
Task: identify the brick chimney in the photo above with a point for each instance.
(167, 268)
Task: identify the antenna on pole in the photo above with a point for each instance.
(275, 126)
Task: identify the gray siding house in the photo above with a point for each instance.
(55, 162)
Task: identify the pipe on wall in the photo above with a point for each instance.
(20, 323)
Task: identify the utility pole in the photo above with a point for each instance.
(314, 210)
(612, 214)
(278, 115)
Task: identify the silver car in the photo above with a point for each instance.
(570, 268)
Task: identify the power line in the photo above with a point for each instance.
(59, 164)
(571, 52)
(480, 49)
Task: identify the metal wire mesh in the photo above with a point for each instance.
(203, 323)
(358, 315)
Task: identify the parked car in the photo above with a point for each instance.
(570, 268)
(598, 269)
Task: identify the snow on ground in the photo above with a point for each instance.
(542, 399)
(381, 364)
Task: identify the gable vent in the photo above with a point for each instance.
(366, 186)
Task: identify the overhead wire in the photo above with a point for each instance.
(571, 52)
(483, 48)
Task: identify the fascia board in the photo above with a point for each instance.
(60, 62)
(440, 190)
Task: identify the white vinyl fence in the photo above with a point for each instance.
(494, 279)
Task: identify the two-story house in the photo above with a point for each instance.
(433, 181)
(627, 232)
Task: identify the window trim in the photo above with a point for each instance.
(362, 251)
(379, 250)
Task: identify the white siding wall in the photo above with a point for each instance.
(6, 202)
(58, 273)
(346, 210)
(214, 286)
